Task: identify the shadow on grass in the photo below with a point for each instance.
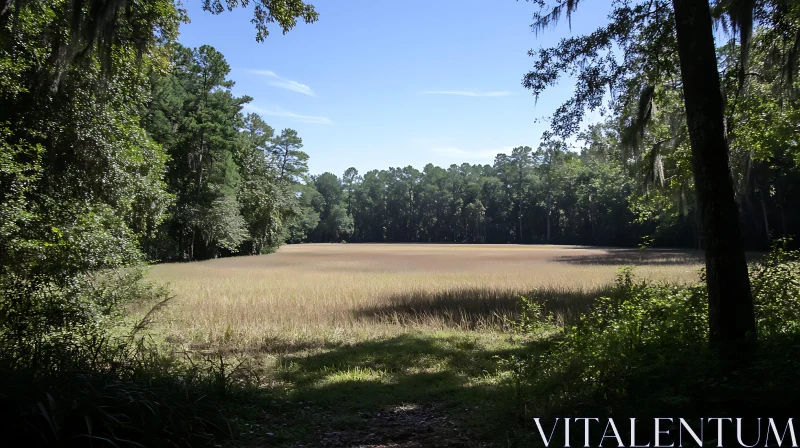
(460, 389)
(453, 389)
(421, 389)
(476, 308)
(635, 257)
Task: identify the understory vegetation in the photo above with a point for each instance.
(642, 352)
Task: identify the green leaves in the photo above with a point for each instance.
(643, 347)
(20, 169)
(265, 12)
(287, 157)
(81, 182)
(776, 290)
(222, 224)
(115, 141)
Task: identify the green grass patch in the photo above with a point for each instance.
(463, 376)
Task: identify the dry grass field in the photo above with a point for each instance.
(347, 292)
(364, 344)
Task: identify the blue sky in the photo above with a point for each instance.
(379, 83)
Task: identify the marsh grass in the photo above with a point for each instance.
(475, 308)
(361, 344)
(328, 293)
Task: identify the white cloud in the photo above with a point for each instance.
(263, 72)
(284, 83)
(466, 93)
(278, 112)
(294, 86)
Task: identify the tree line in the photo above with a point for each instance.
(598, 194)
(193, 176)
(528, 196)
(234, 186)
(629, 178)
(230, 177)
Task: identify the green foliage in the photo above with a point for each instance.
(222, 224)
(334, 222)
(265, 12)
(307, 215)
(643, 348)
(776, 290)
(647, 241)
(635, 57)
(77, 369)
(233, 180)
(533, 319)
(20, 168)
(548, 195)
(638, 323)
(115, 141)
(290, 162)
(82, 183)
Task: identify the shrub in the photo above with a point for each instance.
(534, 320)
(776, 290)
(76, 371)
(642, 350)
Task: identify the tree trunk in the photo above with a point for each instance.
(549, 202)
(547, 239)
(766, 215)
(285, 161)
(698, 237)
(198, 192)
(731, 315)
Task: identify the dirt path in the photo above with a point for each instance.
(407, 426)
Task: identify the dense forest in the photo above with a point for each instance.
(192, 176)
(594, 196)
(232, 185)
(624, 179)
(118, 146)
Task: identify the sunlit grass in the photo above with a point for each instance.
(329, 293)
(341, 333)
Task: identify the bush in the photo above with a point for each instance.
(79, 409)
(48, 329)
(77, 371)
(642, 351)
(776, 290)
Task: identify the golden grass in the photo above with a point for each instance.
(319, 293)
